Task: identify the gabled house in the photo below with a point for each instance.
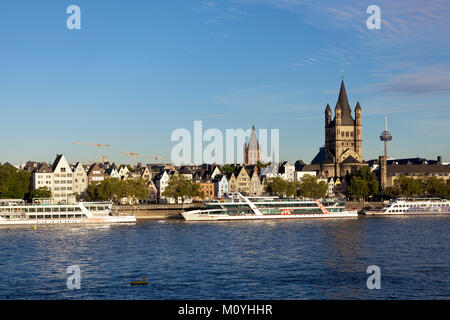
(161, 183)
(95, 174)
(145, 173)
(80, 179)
(232, 183)
(124, 172)
(243, 181)
(220, 185)
(62, 181)
(112, 172)
(256, 188)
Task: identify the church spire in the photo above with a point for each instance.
(346, 114)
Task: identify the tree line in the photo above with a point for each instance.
(308, 187)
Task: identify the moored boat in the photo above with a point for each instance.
(17, 212)
(413, 206)
(239, 207)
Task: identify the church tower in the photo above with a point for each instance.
(252, 150)
(342, 153)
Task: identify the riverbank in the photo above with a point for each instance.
(157, 211)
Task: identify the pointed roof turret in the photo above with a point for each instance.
(346, 116)
(327, 109)
(253, 143)
(358, 107)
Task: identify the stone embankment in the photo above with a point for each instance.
(156, 211)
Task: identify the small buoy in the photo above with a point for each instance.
(35, 227)
(143, 282)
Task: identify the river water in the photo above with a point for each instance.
(296, 259)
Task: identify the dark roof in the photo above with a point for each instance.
(350, 159)
(320, 157)
(346, 113)
(57, 160)
(44, 168)
(393, 169)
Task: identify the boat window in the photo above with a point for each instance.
(55, 209)
(78, 216)
(48, 209)
(71, 209)
(40, 209)
(47, 216)
(32, 210)
(63, 215)
(32, 217)
(77, 209)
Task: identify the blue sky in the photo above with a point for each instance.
(137, 70)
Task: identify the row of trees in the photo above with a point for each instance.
(426, 186)
(114, 189)
(308, 186)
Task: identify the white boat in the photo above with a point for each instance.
(17, 212)
(413, 206)
(238, 207)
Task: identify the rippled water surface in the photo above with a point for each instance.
(302, 259)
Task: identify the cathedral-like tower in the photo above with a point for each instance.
(252, 150)
(343, 138)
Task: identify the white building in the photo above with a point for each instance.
(42, 177)
(161, 183)
(62, 181)
(287, 171)
(220, 185)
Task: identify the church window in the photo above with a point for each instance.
(342, 133)
(346, 134)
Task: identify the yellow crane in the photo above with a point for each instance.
(134, 155)
(153, 157)
(131, 154)
(98, 145)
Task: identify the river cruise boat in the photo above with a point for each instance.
(413, 206)
(17, 212)
(239, 207)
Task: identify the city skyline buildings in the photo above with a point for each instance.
(132, 82)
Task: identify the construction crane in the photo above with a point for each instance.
(132, 155)
(153, 157)
(98, 145)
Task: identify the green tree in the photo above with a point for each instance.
(182, 187)
(365, 179)
(309, 187)
(228, 169)
(40, 193)
(14, 184)
(435, 187)
(114, 189)
(276, 186)
(358, 188)
(408, 186)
